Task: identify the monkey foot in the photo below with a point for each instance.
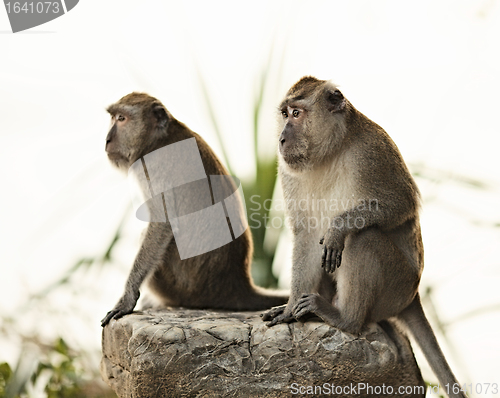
(309, 304)
(277, 315)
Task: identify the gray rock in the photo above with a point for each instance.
(195, 353)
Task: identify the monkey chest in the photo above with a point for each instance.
(315, 204)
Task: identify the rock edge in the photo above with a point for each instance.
(200, 353)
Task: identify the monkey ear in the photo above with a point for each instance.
(336, 101)
(160, 114)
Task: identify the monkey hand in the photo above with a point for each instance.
(333, 244)
(125, 306)
(278, 315)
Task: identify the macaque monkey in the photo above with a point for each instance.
(217, 279)
(353, 211)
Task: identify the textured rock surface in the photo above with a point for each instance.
(194, 353)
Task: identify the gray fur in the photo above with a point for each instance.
(361, 260)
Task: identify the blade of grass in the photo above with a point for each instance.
(258, 104)
(437, 175)
(26, 366)
(213, 119)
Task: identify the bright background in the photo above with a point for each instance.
(428, 73)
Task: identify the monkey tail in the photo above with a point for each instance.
(414, 319)
(263, 299)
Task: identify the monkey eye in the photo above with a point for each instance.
(120, 118)
(295, 113)
(285, 115)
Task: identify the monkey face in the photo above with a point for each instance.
(138, 121)
(119, 139)
(293, 142)
(313, 123)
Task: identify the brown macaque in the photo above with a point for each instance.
(217, 279)
(353, 210)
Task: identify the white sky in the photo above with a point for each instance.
(428, 73)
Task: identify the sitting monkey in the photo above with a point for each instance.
(143, 130)
(357, 248)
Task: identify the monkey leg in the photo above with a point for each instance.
(326, 289)
(376, 281)
(307, 277)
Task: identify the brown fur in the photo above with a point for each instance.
(219, 279)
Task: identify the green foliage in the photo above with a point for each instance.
(56, 371)
(5, 376)
(261, 187)
(53, 370)
(65, 378)
(260, 192)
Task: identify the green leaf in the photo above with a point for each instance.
(5, 375)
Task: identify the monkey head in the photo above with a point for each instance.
(138, 124)
(312, 123)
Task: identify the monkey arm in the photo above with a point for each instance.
(389, 211)
(158, 236)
